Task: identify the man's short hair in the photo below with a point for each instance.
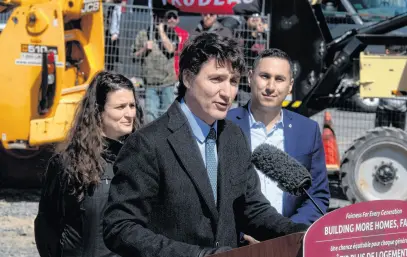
(274, 53)
(205, 46)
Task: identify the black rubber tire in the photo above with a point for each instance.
(23, 170)
(353, 153)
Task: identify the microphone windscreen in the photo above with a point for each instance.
(282, 168)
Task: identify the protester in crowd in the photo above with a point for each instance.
(253, 37)
(77, 179)
(112, 40)
(172, 18)
(156, 50)
(263, 120)
(390, 111)
(231, 22)
(108, 19)
(184, 185)
(209, 23)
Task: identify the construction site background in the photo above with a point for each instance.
(350, 118)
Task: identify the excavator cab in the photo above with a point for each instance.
(50, 51)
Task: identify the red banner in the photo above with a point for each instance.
(205, 6)
(368, 229)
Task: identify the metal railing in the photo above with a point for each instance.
(3, 19)
(155, 70)
(351, 118)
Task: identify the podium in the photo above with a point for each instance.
(366, 229)
(285, 246)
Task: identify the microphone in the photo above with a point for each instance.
(291, 176)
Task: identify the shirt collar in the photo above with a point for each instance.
(253, 122)
(199, 128)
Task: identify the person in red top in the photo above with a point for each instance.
(172, 20)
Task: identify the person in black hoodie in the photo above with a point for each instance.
(78, 176)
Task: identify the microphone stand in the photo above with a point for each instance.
(312, 200)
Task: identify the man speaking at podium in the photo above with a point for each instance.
(184, 185)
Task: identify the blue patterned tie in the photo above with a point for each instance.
(211, 164)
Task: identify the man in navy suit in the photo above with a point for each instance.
(263, 120)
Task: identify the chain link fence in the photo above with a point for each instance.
(154, 70)
(3, 19)
(149, 43)
(135, 48)
(353, 117)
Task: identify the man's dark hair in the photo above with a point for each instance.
(204, 47)
(274, 53)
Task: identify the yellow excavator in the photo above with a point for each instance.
(50, 50)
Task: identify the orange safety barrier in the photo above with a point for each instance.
(330, 145)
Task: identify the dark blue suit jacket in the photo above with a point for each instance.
(302, 140)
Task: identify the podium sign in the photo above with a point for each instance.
(285, 246)
(367, 229)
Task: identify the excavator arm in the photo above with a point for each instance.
(321, 62)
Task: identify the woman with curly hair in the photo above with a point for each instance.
(78, 176)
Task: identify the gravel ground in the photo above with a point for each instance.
(18, 209)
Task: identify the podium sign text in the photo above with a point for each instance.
(367, 229)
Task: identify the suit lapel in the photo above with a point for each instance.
(182, 141)
(290, 140)
(242, 120)
(224, 164)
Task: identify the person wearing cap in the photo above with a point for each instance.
(157, 57)
(172, 19)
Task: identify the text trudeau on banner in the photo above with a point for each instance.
(368, 229)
